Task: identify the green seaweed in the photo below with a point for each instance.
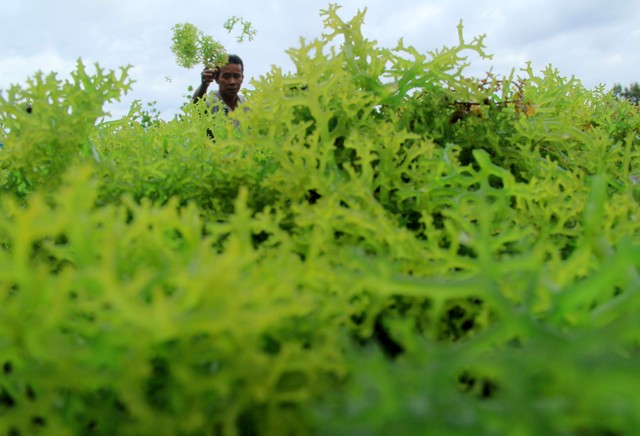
(380, 244)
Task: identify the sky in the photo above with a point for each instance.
(595, 41)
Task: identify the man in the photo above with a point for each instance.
(229, 79)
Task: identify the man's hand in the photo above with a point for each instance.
(208, 76)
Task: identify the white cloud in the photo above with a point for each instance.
(14, 68)
(595, 40)
(415, 18)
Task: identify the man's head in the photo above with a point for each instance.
(229, 77)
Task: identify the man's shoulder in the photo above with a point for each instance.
(215, 97)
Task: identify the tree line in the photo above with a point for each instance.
(631, 92)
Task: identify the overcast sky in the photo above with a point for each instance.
(597, 41)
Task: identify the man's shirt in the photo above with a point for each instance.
(214, 98)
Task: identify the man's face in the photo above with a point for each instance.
(230, 79)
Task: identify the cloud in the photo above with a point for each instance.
(596, 40)
(532, 22)
(414, 19)
(12, 68)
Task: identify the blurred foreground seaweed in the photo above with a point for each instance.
(383, 245)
